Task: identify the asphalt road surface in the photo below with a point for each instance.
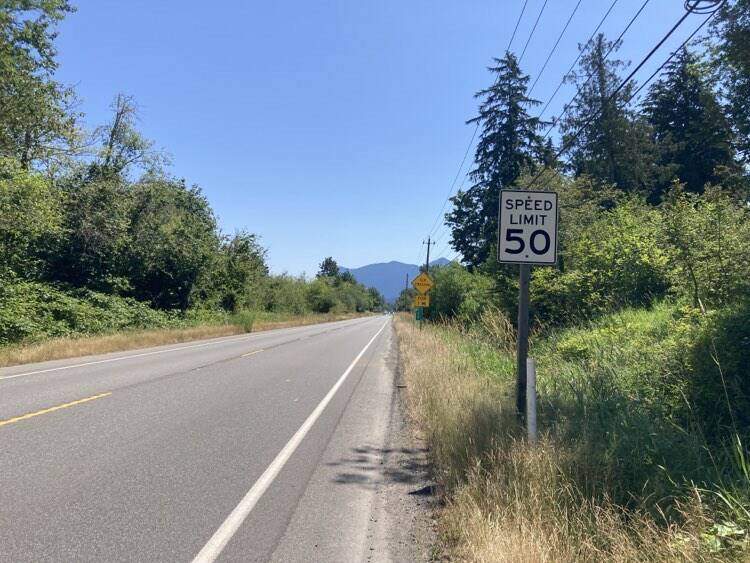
(212, 450)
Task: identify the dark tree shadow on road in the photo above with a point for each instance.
(369, 467)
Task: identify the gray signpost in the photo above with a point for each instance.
(527, 236)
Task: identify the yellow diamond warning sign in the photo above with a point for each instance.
(422, 283)
(421, 300)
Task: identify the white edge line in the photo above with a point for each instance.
(121, 358)
(229, 527)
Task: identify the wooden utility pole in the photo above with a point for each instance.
(427, 261)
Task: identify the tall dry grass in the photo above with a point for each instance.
(506, 501)
(61, 348)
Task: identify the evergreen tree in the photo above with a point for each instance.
(692, 133)
(614, 147)
(508, 145)
(732, 26)
(328, 268)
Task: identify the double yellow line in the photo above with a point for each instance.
(53, 409)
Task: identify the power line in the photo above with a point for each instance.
(518, 21)
(696, 6)
(554, 48)
(669, 59)
(455, 179)
(474, 133)
(580, 53)
(476, 128)
(533, 29)
(612, 47)
(567, 144)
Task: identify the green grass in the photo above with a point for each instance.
(642, 420)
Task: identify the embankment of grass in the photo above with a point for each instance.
(623, 470)
(71, 347)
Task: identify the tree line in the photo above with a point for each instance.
(98, 210)
(654, 189)
(654, 223)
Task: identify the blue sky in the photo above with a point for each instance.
(328, 127)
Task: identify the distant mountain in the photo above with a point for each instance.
(389, 278)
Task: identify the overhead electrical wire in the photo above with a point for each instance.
(669, 59)
(715, 4)
(533, 29)
(476, 128)
(709, 7)
(554, 48)
(580, 53)
(515, 29)
(694, 6)
(474, 134)
(612, 47)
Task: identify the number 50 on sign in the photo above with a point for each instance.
(528, 227)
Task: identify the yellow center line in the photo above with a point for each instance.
(52, 409)
(252, 353)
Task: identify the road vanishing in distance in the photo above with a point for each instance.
(230, 449)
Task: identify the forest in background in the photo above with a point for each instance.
(96, 233)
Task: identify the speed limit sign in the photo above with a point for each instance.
(528, 227)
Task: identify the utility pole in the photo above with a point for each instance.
(427, 262)
(406, 286)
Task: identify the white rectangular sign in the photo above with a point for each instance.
(528, 227)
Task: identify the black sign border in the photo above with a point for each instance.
(557, 226)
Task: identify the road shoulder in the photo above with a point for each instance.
(402, 524)
(368, 498)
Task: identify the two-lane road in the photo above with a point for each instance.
(199, 451)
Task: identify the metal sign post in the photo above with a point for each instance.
(531, 400)
(522, 339)
(527, 235)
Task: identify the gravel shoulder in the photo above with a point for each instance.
(369, 498)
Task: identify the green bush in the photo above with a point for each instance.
(617, 260)
(715, 371)
(653, 396)
(709, 247)
(30, 220)
(459, 293)
(243, 319)
(31, 311)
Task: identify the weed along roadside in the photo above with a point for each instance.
(612, 478)
(621, 437)
(244, 322)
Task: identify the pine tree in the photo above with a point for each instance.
(614, 147)
(692, 133)
(732, 27)
(328, 268)
(508, 145)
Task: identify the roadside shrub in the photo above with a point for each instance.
(459, 293)
(716, 372)
(708, 247)
(30, 220)
(243, 319)
(618, 260)
(31, 311)
(320, 296)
